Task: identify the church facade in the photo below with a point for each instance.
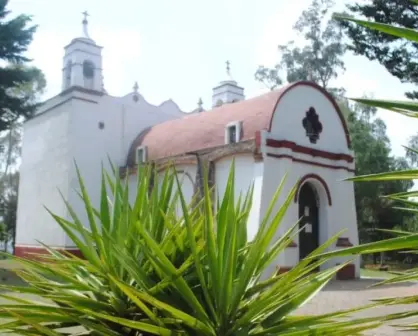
(297, 131)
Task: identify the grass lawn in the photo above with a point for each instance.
(375, 274)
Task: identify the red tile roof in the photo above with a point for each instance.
(206, 130)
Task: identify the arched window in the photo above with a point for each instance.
(88, 69)
(88, 74)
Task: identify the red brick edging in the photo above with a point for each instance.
(29, 252)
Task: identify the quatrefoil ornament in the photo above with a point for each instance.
(312, 125)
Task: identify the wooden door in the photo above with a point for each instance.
(309, 212)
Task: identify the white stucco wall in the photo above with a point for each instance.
(247, 173)
(44, 169)
(244, 174)
(290, 111)
(278, 162)
(90, 146)
(339, 216)
(187, 177)
(69, 130)
(254, 217)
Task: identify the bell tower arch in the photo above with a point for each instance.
(82, 63)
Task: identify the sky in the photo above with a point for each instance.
(178, 49)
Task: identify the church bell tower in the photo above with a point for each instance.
(82, 66)
(227, 91)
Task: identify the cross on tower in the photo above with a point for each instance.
(86, 14)
(228, 68)
(85, 23)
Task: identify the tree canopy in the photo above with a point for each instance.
(397, 55)
(16, 73)
(372, 151)
(319, 60)
(21, 85)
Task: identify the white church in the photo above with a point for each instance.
(298, 129)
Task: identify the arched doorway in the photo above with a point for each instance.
(309, 214)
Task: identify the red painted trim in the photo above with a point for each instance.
(348, 272)
(292, 244)
(343, 242)
(309, 151)
(315, 177)
(257, 140)
(325, 93)
(313, 163)
(283, 269)
(29, 252)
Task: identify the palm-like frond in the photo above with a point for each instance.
(407, 108)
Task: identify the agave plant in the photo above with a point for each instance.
(148, 271)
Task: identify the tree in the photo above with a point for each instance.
(411, 153)
(320, 60)
(15, 37)
(373, 155)
(407, 199)
(10, 151)
(9, 185)
(397, 55)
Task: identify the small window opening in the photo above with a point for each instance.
(232, 134)
(141, 155)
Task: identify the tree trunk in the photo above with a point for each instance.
(9, 152)
(6, 171)
(8, 186)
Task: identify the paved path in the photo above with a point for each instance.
(350, 294)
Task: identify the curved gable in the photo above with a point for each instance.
(308, 115)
